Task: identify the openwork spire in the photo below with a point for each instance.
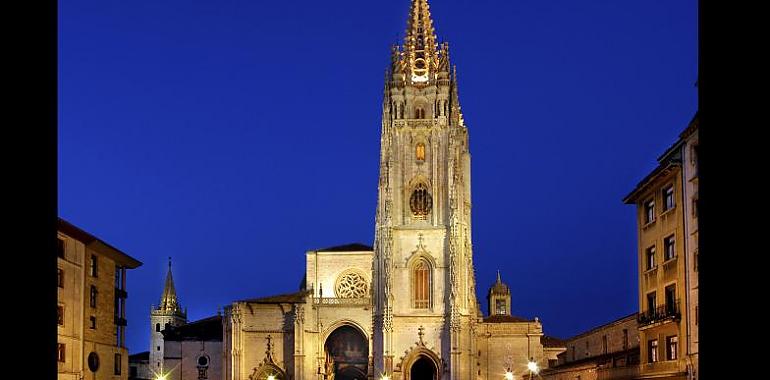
(420, 55)
(168, 300)
(420, 35)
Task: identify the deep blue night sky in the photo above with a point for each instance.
(235, 135)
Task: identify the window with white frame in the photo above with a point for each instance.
(649, 211)
(669, 248)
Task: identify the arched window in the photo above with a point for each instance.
(421, 284)
(420, 151)
(419, 113)
(157, 327)
(420, 202)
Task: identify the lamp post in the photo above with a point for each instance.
(532, 367)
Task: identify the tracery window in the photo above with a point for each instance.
(352, 285)
(421, 284)
(420, 151)
(420, 202)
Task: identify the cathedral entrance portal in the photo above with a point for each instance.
(423, 369)
(347, 354)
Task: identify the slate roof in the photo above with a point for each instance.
(207, 329)
(97, 244)
(628, 317)
(138, 357)
(352, 247)
(297, 297)
(505, 319)
(549, 341)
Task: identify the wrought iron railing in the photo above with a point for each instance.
(660, 313)
(120, 321)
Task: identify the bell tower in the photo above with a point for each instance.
(424, 282)
(167, 313)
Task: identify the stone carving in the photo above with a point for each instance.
(351, 285)
(387, 320)
(299, 314)
(421, 201)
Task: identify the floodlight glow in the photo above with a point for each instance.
(532, 366)
(508, 375)
(271, 377)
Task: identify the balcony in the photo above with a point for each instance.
(120, 321)
(661, 367)
(120, 293)
(659, 314)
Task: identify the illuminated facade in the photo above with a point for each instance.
(168, 312)
(606, 352)
(405, 308)
(91, 306)
(666, 202)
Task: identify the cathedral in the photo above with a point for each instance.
(405, 308)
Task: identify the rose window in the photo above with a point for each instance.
(352, 285)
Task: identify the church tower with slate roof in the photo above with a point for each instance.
(168, 312)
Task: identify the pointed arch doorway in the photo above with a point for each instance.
(347, 354)
(423, 369)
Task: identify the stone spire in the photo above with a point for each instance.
(420, 35)
(168, 300)
(499, 287)
(420, 48)
(168, 313)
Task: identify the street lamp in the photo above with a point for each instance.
(532, 367)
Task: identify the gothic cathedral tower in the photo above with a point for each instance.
(167, 313)
(425, 305)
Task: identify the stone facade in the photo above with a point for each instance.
(667, 262)
(194, 351)
(167, 313)
(289, 335)
(91, 301)
(139, 366)
(405, 308)
(690, 198)
(610, 351)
